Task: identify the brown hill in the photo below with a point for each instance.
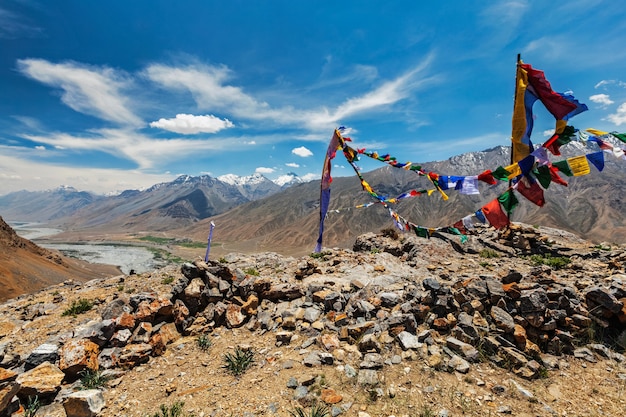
(26, 267)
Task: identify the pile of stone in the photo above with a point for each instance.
(522, 321)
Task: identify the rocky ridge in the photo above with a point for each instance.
(378, 330)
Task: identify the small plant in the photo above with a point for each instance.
(222, 260)
(251, 271)
(374, 251)
(318, 255)
(204, 342)
(90, 379)
(78, 307)
(485, 264)
(543, 373)
(317, 410)
(32, 405)
(175, 410)
(120, 288)
(488, 253)
(555, 262)
(237, 363)
(426, 411)
(167, 280)
(390, 232)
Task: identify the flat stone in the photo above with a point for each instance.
(87, 403)
(78, 355)
(42, 381)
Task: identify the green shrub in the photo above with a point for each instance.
(32, 406)
(204, 342)
(488, 253)
(554, 262)
(167, 280)
(175, 410)
(239, 361)
(317, 410)
(90, 379)
(78, 307)
(251, 271)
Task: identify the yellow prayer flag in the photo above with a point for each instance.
(514, 169)
(597, 132)
(430, 192)
(579, 165)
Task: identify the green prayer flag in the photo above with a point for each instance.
(501, 174)
(421, 231)
(620, 136)
(563, 166)
(542, 173)
(508, 201)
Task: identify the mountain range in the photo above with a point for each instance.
(254, 213)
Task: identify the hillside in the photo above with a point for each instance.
(26, 267)
(525, 322)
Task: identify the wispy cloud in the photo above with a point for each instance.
(292, 165)
(90, 90)
(619, 117)
(13, 25)
(187, 124)
(603, 99)
(145, 151)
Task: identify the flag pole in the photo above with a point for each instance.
(208, 246)
(519, 59)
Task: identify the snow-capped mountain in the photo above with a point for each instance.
(288, 180)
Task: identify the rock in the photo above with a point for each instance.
(134, 354)
(431, 284)
(466, 350)
(318, 358)
(78, 355)
(234, 317)
(597, 296)
(586, 354)
(408, 341)
(42, 353)
(502, 319)
(7, 392)
(43, 381)
(459, 364)
(372, 361)
(368, 377)
(115, 309)
(87, 403)
(99, 332)
(330, 396)
(534, 301)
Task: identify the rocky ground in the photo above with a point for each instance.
(526, 322)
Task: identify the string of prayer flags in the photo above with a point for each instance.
(579, 165)
(487, 177)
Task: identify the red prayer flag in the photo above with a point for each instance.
(558, 106)
(533, 192)
(554, 174)
(494, 213)
(487, 177)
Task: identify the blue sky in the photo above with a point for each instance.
(107, 96)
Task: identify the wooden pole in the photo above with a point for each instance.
(519, 59)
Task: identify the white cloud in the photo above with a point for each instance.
(89, 90)
(620, 117)
(13, 26)
(292, 165)
(602, 99)
(18, 173)
(548, 133)
(187, 124)
(40, 148)
(264, 170)
(302, 151)
(310, 177)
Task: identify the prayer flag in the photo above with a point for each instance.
(579, 165)
(532, 192)
(501, 173)
(597, 159)
(514, 170)
(563, 167)
(493, 212)
(541, 155)
(487, 177)
(526, 164)
(336, 143)
(620, 136)
(508, 201)
(554, 174)
(543, 175)
(597, 132)
(480, 216)
(469, 186)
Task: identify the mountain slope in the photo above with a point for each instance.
(26, 267)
